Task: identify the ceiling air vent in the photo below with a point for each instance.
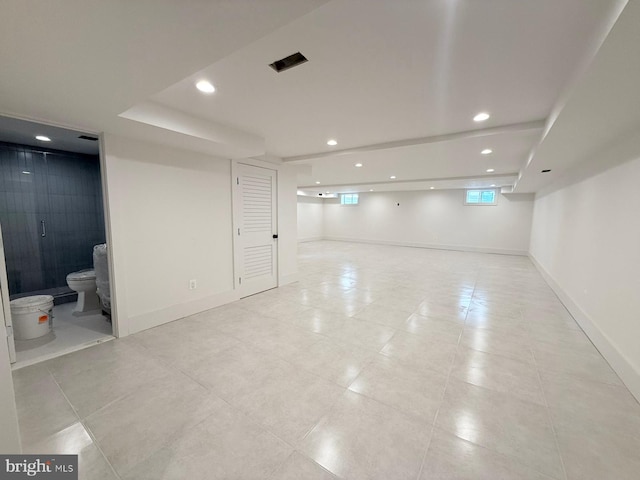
(86, 137)
(288, 62)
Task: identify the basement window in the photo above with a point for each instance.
(349, 199)
(481, 197)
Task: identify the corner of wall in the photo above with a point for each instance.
(621, 365)
(310, 239)
(287, 279)
(435, 246)
(10, 438)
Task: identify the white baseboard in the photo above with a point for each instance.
(310, 239)
(287, 279)
(458, 248)
(617, 360)
(175, 312)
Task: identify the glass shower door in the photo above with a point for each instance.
(24, 214)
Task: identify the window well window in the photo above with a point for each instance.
(481, 197)
(349, 199)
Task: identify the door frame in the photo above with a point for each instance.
(4, 302)
(106, 208)
(235, 204)
(115, 330)
(10, 438)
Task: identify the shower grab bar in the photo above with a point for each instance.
(44, 228)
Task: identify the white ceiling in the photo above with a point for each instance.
(389, 70)
(457, 159)
(601, 117)
(80, 63)
(15, 130)
(395, 82)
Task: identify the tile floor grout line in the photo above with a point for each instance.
(289, 362)
(444, 390)
(94, 440)
(255, 420)
(392, 407)
(55, 380)
(316, 463)
(550, 419)
(77, 419)
(324, 415)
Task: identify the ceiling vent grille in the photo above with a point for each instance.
(87, 137)
(288, 62)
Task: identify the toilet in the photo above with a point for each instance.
(84, 282)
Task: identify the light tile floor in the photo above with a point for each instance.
(380, 363)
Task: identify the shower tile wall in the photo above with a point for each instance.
(62, 189)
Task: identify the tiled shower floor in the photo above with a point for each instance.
(381, 363)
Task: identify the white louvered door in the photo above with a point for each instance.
(256, 226)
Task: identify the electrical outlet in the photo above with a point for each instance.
(193, 284)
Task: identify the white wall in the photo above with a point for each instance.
(170, 216)
(9, 436)
(287, 225)
(586, 240)
(435, 218)
(310, 218)
(171, 221)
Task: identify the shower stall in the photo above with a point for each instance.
(51, 214)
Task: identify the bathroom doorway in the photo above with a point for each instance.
(53, 234)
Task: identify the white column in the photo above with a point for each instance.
(10, 438)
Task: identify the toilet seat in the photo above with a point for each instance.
(88, 274)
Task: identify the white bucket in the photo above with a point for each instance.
(31, 316)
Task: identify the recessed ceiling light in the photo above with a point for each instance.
(392, 177)
(332, 142)
(358, 165)
(486, 151)
(26, 173)
(493, 184)
(205, 86)
(371, 189)
(42, 138)
(328, 192)
(490, 170)
(481, 117)
(317, 183)
(431, 188)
